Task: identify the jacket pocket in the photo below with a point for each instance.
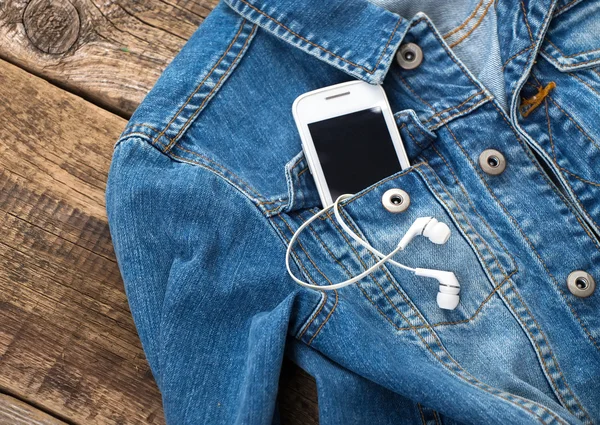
(326, 255)
(572, 41)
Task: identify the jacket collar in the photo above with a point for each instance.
(355, 36)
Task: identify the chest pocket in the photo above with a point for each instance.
(565, 125)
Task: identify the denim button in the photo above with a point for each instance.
(492, 162)
(581, 284)
(395, 200)
(409, 56)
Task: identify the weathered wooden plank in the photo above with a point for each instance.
(109, 51)
(15, 412)
(67, 341)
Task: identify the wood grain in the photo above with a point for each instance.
(15, 412)
(108, 51)
(67, 340)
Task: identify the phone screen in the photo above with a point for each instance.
(355, 150)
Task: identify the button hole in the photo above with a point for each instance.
(493, 161)
(396, 200)
(582, 283)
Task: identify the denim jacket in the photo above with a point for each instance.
(208, 184)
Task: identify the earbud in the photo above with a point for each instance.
(435, 231)
(447, 297)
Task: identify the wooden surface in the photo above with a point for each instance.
(15, 412)
(69, 352)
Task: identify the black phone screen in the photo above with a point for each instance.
(355, 150)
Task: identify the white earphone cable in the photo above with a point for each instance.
(383, 258)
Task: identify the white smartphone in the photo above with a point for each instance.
(349, 137)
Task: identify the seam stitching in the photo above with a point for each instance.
(369, 71)
(483, 15)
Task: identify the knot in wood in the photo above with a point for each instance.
(52, 26)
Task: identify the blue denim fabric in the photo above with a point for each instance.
(208, 184)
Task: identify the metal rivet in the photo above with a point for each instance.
(581, 284)
(395, 200)
(492, 162)
(409, 56)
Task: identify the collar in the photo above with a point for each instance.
(355, 36)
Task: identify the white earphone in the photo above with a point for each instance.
(437, 232)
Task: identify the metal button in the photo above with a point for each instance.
(409, 56)
(492, 162)
(395, 200)
(581, 284)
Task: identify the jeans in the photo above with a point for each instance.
(208, 183)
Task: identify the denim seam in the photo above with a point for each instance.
(308, 276)
(217, 85)
(469, 378)
(519, 53)
(453, 107)
(336, 292)
(579, 177)
(536, 45)
(515, 223)
(437, 418)
(540, 350)
(576, 197)
(479, 21)
(550, 132)
(584, 82)
(585, 52)
(199, 86)
(551, 185)
(465, 230)
(465, 23)
(471, 108)
(295, 34)
(470, 201)
(593, 238)
(526, 21)
(421, 413)
(320, 272)
(371, 275)
(581, 130)
(565, 7)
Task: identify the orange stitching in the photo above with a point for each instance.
(574, 122)
(456, 43)
(550, 132)
(578, 177)
(536, 100)
(494, 235)
(326, 319)
(531, 246)
(539, 350)
(446, 120)
(584, 82)
(454, 107)
(189, 99)
(574, 54)
(324, 49)
(148, 126)
(305, 252)
(469, 18)
(421, 411)
(301, 264)
(418, 313)
(527, 21)
(500, 112)
(338, 261)
(465, 230)
(250, 188)
(225, 74)
(437, 418)
(303, 171)
(515, 55)
(558, 11)
(579, 200)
